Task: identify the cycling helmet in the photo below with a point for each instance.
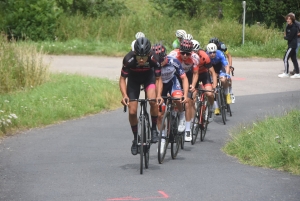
(186, 45)
(160, 51)
(139, 34)
(214, 40)
(188, 36)
(180, 33)
(142, 46)
(196, 45)
(211, 47)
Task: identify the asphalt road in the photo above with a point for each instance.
(89, 158)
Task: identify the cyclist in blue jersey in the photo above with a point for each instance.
(171, 70)
(221, 67)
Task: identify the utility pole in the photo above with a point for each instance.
(244, 17)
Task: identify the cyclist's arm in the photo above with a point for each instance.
(158, 87)
(229, 57)
(122, 85)
(214, 76)
(185, 85)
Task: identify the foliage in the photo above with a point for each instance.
(93, 8)
(30, 19)
(21, 66)
(271, 12)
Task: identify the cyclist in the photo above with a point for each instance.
(137, 35)
(205, 70)
(221, 67)
(221, 46)
(171, 69)
(190, 63)
(179, 36)
(139, 69)
(188, 36)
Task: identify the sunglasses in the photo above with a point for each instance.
(185, 53)
(141, 58)
(212, 53)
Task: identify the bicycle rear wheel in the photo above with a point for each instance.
(166, 129)
(182, 134)
(142, 127)
(229, 109)
(195, 122)
(221, 102)
(176, 142)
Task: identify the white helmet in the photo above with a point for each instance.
(211, 47)
(139, 35)
(196, 45)
(188, 36)
(180, 33)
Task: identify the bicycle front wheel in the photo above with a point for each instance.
(223, 106)
(163, 139)
(176, 142)
(147, 141)
(142, 132)
(206, 114)
(195, 122)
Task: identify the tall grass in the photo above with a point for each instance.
(21, 66)
(272, 143)
(114, 35)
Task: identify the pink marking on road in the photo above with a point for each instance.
(162, 193)
(237, 78)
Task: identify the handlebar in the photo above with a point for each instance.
(139, 100)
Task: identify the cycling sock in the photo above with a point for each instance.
(216, 105)
(187, 126)
(162, 133)
(182, 114)
(230, 90)
(154, 122)
(134, 131)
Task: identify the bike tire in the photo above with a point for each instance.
(206, 115)
(176, 142)
(142, 127)
(223, 106)
(182, 140)
(166, 127)
(195, 122)
(229, 109)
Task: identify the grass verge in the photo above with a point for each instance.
(271, 143)
(63, 97)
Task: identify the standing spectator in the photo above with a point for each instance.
(298, 25)
(291, 36)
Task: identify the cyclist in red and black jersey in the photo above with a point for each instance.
(190, 64)
(206, 71)
(139, 69)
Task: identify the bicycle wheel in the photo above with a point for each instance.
(147, 141)
(220, 99)
(182, 134)
(166, 127)
(175, 143)
(228, 109)
(195, 122)
(205, 117)
(142, 127)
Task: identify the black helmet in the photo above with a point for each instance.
(142, 46)
(186, 46)
(214, 40)
(160, 51)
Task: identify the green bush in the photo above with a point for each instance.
(30, 19)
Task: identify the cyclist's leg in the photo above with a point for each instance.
(133, 91)
(189, 111)
(149, 85)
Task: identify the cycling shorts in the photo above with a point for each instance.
(173, 88)
(205, 78)
(135, 80)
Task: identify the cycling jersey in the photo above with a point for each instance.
(204, 62)
(219, 61)
(176, 44)
(172, 68)
(190, 64)
(139, 75)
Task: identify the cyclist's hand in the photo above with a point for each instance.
(159, 100)
(184, 99)
(125, 101)
(192, 89)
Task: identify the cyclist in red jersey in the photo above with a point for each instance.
(139, 69)
(206, 71)
(190, 64)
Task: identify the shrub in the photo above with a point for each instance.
(30, 19)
